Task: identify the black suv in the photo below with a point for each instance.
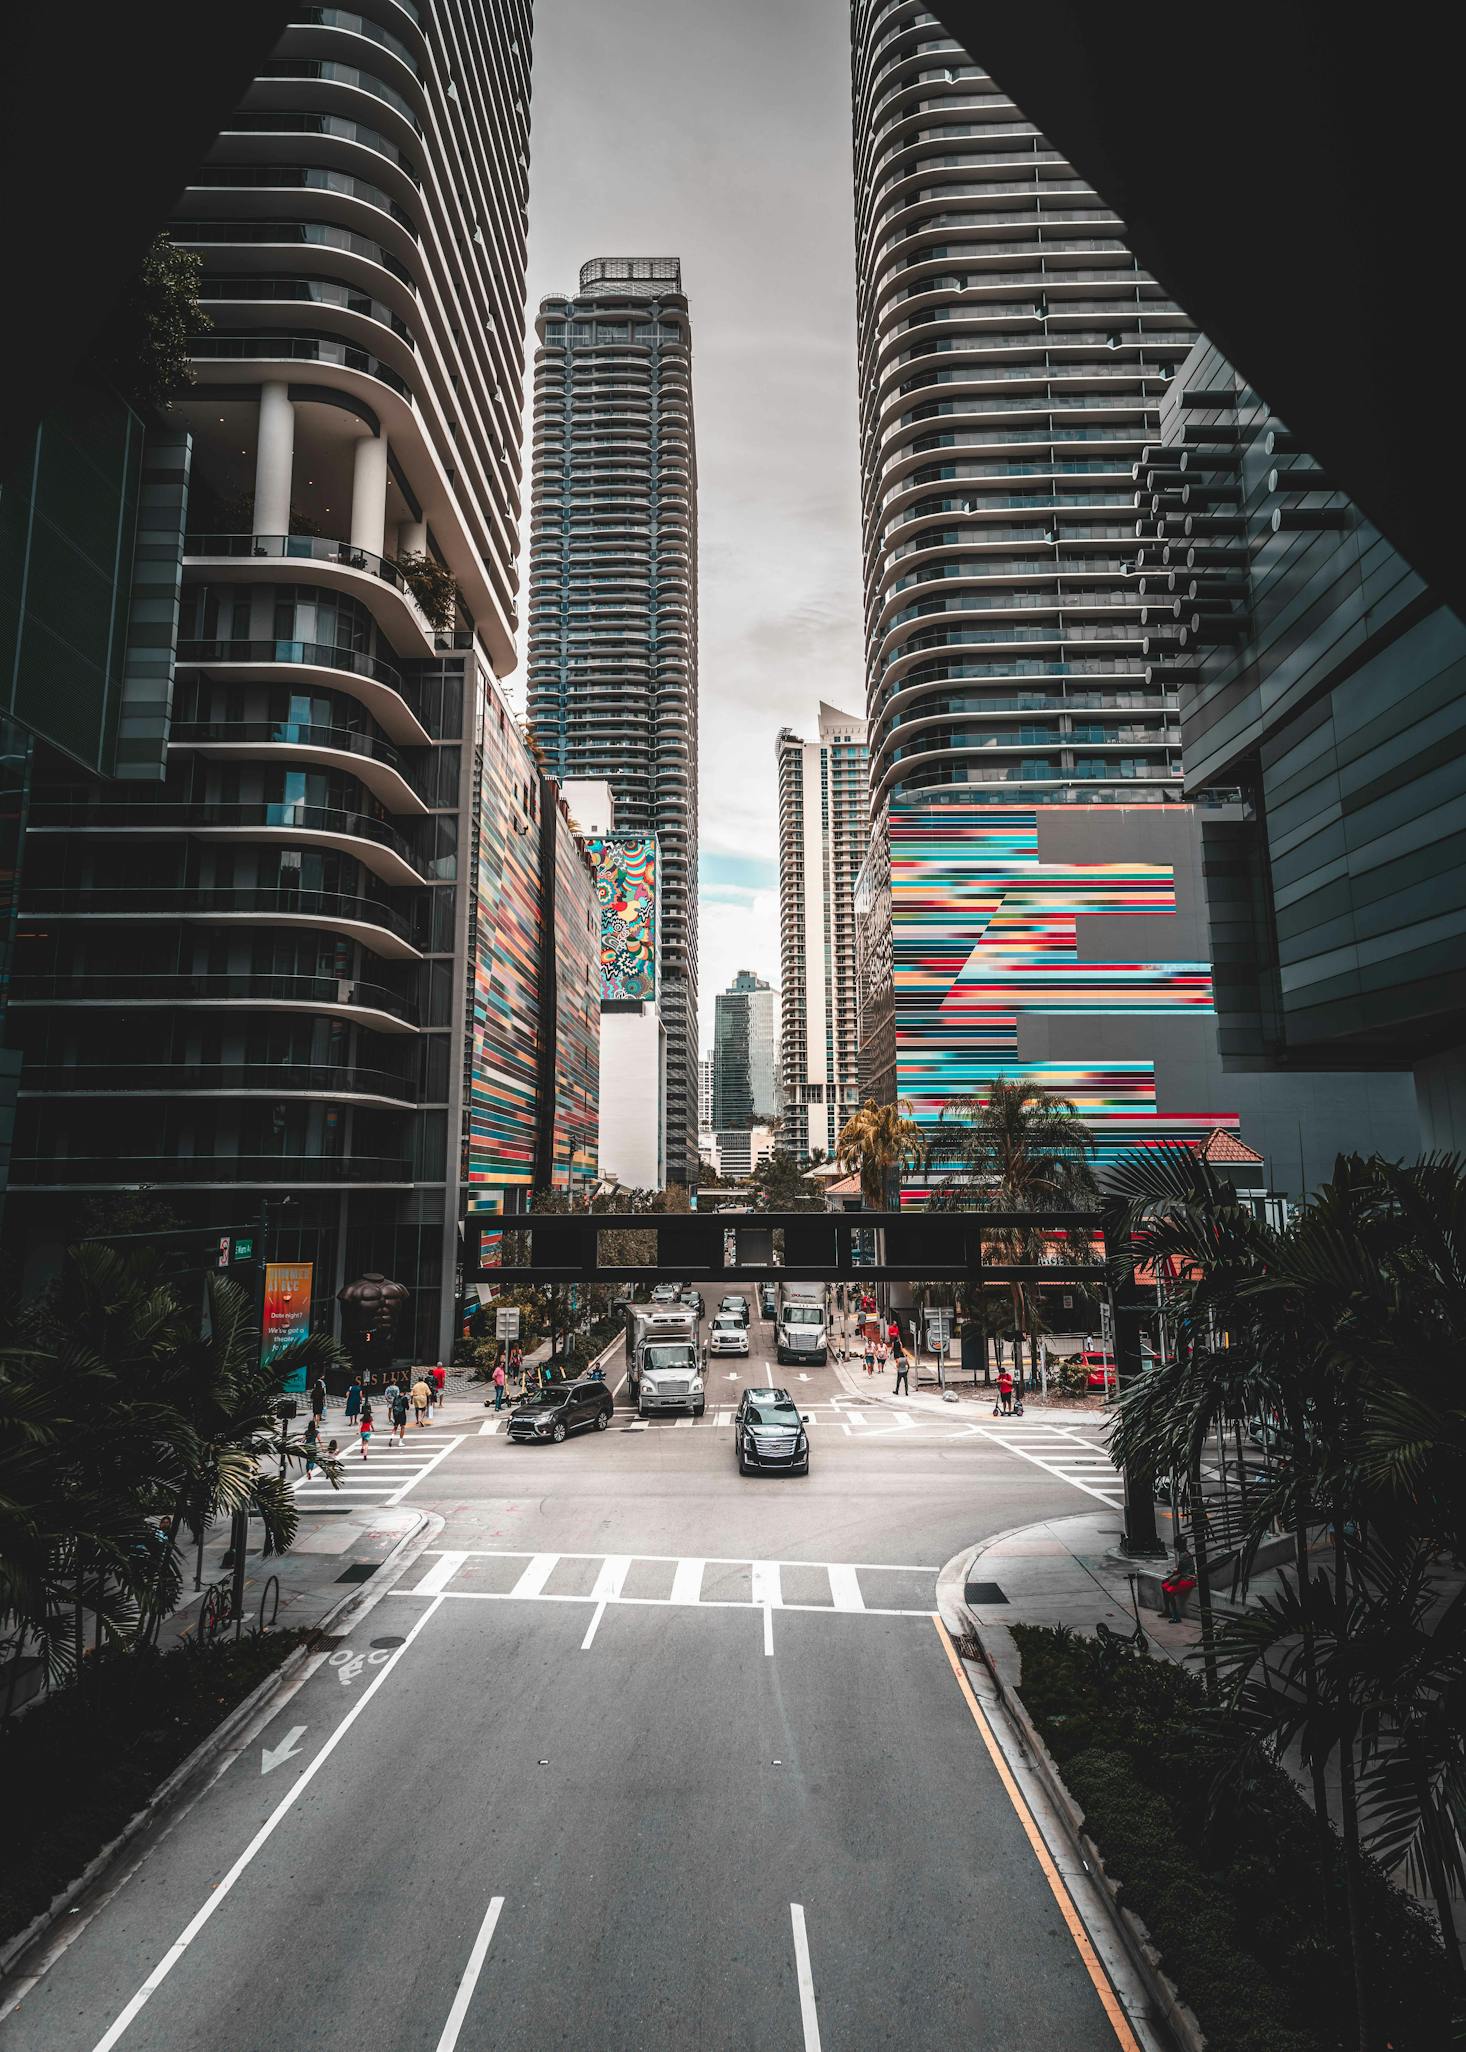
(560, 1409)
(768, 1432)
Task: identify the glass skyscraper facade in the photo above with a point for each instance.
(612, 673)
(1012, 360)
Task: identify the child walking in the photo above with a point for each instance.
(366, 1427)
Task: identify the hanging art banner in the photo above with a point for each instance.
(287, 1314)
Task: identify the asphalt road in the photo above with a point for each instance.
(641, 1754)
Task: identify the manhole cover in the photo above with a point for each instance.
(359, 1571)
(984, 1592)
(388, 1642)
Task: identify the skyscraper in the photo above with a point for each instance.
(1012, 359)
(745, 1054)
(1029, 908)
(612, 672)
(823, 824)
(247, 970)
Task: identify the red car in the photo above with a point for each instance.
(1100, 1370)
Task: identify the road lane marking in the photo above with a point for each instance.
(887, 1567)
(1050, 1463)
(611, 1578)
(222, 1889)
(532, 1581)
(471, 1973)
(449, 1446)
(489, 1427)
(768, 1631)
(440, 1574)
(1103, 1987)
(590, 1630)
(638, 1425)
(808, 2014)
(687, 1582)
(845, 1588)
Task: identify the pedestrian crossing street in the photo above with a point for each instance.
(863, 1588)
(382, 1480)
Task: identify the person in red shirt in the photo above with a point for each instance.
(1005, 1389)
(438, 1377)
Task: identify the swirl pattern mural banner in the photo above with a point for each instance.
(626, 890)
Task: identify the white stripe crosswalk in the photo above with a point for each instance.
(851, 1588)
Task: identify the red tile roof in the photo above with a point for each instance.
(1222, 1146)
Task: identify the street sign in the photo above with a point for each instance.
(506, 1322)
(938, 1328)
(1107, 1325)
(243, 1245)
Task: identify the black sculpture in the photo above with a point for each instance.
(369, 1308)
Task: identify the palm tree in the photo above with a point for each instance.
(1346, 1329)
(874, 1142)
(1015, 1148)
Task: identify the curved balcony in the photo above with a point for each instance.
(382, 928)
(207, 1172)
(370, 1004)
(245, 178)
(381, 689)
(266, 348)
(335, 565)
(291, 235)
(375, 843)
(375, 762)
(378, 1087)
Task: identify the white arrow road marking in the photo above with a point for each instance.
(286, 1750)
(802, 1376)
(220, 1891)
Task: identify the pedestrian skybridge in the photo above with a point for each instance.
(797, 1246)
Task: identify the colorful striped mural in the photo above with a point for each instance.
(983, 934)
(504, 951)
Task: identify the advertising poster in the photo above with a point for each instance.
(287, 1313)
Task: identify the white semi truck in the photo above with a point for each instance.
(800, 1329)
(663, 1359)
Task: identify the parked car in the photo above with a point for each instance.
(665, 1293)
(769, 1433)
(734, 1307)
(562, 1408)
(729, 1335)
(1100, 1370)
(768, 1301)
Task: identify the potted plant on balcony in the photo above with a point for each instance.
(433, 585)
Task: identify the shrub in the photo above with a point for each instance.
(1241, 1890)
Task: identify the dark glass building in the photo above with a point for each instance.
(1323, 681)
(247, 977)
(612, 672)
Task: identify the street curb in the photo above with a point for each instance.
(167, 1803)
(1000, 1657)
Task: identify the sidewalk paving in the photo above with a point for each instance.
(334, 1551)
(881, 1387)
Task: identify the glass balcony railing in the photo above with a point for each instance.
(170, 1079)
(241, 986)
(184, 816)
(186, 900)
(126, 1171)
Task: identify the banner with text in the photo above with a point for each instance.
(287, 1313)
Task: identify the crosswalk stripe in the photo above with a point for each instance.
(440, 1574)
(611, 1577)
(687, 1582)
(766, 1587)
(845, 1588)
(535, 1576)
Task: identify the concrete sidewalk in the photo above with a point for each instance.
(333, 1552)
(881, 1388)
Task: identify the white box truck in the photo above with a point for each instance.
(800, 1330)
(663, 1359)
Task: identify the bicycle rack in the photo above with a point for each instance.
(270, 1595)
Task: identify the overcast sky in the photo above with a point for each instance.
(718, 131)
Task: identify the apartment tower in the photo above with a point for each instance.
(823, 826)
(247, 980)
(612, 672)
